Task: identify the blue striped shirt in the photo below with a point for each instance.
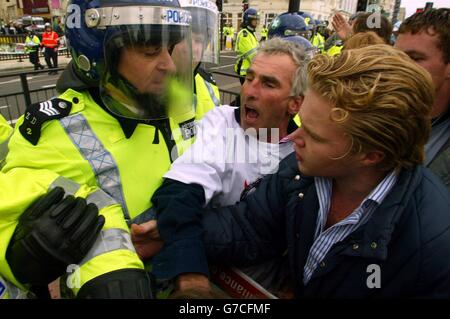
(324, 240)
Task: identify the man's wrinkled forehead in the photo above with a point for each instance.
(272, 66)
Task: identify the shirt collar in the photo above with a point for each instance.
(376, 196)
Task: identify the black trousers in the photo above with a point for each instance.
(51, 53)
(34, 59)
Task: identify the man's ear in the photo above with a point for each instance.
(447, 71)
(372, 158)
(294, 104)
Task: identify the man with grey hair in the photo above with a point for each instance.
(234, 148)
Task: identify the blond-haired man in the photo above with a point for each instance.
(359, 215)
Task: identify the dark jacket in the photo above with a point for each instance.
(408, 237)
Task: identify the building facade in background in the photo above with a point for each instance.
(49, 9)
(320, 9)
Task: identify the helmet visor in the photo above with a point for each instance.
(205, 33)
(142, 79)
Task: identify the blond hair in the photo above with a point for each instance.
(362, 39)
(381, 98)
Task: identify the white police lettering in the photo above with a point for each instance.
(173, 16)
(204, 4)
(177, 16)
(73, 19)
(374, 279)
(74, 279)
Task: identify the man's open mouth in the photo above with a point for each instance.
(250, 113)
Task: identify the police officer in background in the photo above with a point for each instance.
(32, 44)
(246, 42)
(125, 113)
(264, 34)
(289, 24)
(205, 48)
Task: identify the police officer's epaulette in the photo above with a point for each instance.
(206, 75)
(245, 33)
(39, 113)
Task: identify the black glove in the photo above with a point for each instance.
(52, 234)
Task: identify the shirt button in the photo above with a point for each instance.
(374, 245)
(355, 246)
(322, 264)
(301, 195)
(297, 177)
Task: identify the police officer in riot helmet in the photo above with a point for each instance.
(122, 97)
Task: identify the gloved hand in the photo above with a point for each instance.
(52, 233)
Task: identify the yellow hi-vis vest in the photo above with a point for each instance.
(246, 46)
(5, 133)
(88, 154)
(318, 41)
(32, 44)
(334, 50)
(207, 96)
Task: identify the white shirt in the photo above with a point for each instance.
(224, 159)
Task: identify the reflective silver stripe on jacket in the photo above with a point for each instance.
(245, 55)
(69, 186)
(249, 52)
(3, 149)
(98, 197)
(101, 161)
(9, 291)
(107, 241)
(211, 93)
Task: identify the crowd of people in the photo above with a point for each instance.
(328, 178)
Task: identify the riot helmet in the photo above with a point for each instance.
(205, 30)
(124, 47)
(289, 24)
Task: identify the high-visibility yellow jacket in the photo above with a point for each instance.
(206, 93)
(5, 133)
(334, 50)
(116, 165)
(32, 44)
(318, 41)
(246, 45)
(264, 32)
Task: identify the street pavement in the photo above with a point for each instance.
(8, 66)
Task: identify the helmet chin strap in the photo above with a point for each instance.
(148, 105)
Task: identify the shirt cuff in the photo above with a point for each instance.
(186, 256)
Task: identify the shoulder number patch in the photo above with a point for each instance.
(39, 113)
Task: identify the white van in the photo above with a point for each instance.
(33, 23)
